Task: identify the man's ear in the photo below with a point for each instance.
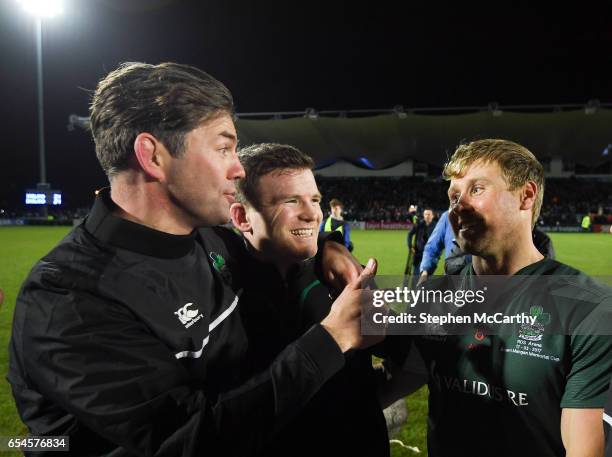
(529, 195)
(150, 154)
(238, 213)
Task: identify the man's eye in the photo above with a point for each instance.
(477, 189)
(224, 150)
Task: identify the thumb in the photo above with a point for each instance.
(367, 274)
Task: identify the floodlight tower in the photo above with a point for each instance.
(41, 9)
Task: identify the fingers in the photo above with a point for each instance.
(347, 274)
(422, 278)
(370, 268)
(365, 276)
(353, 271)
(344, 319)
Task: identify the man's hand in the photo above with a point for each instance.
(339, 267)
(422, 278)
(344, 319)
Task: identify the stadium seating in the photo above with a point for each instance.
(565, 200)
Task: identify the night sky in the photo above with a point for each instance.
(283, 56)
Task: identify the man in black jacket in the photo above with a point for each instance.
(417, 239)
(126, 336)
(278, 212)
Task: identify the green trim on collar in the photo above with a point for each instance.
(307, 289)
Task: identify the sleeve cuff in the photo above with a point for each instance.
(322, 238)
(329, 236)
(323, 350)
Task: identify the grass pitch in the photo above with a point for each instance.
(21, 247)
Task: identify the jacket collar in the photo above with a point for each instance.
(103, 224)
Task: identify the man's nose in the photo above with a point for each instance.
(309, 212)
(460, 203)
(236, 170)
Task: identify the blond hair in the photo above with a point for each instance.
(518, 165)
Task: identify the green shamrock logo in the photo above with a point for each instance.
(542, 317)
(218, 261)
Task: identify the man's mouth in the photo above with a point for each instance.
(303, 232)
(464, 226)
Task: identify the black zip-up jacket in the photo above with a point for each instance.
(345, 416)
(421, 232)
(128, 340)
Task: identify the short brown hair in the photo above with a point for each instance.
(518, 165)
(335, 202)
(260, 159)
(167, 100)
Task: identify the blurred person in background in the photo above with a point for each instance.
(417, 239)
(335, 222)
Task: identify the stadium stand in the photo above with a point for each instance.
(378, 162)
(566, 200)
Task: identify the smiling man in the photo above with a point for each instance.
(535, 391)
(278, 212)
(127, 336)
(278, 207)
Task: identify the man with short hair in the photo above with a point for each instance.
(532, 391)
(335, 221)
(126, 336)
(278, 212)
(417, 239)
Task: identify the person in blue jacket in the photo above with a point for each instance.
(442, 238)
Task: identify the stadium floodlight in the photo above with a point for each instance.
(42, 8)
